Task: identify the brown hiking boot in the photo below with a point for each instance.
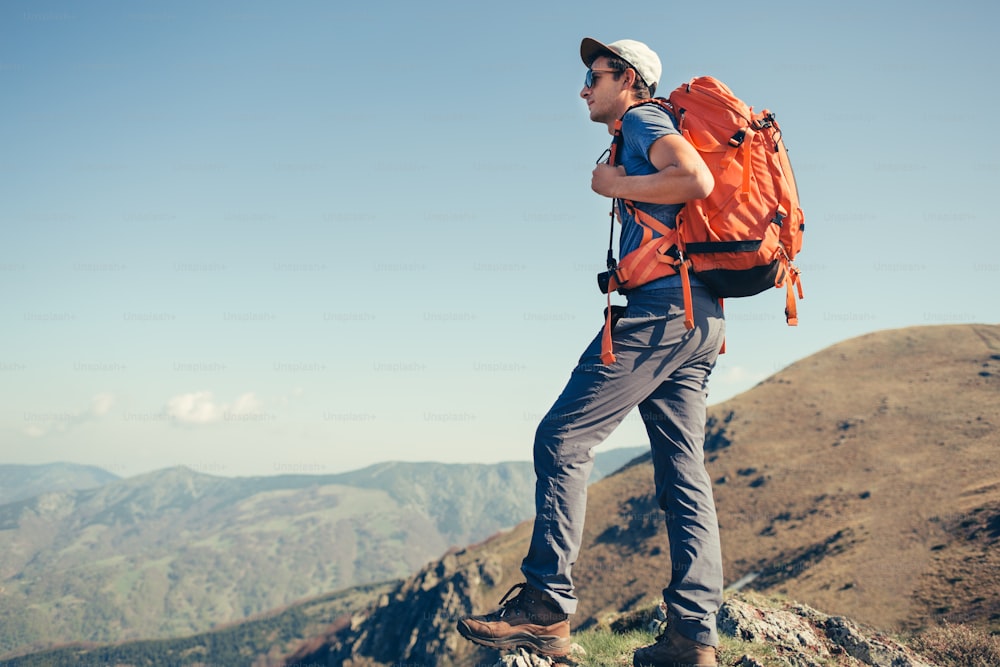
(529, 620)
(674, 650)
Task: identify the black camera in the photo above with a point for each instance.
(604, 281)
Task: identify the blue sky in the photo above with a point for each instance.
(257, 238)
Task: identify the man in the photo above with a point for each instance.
(661, 367)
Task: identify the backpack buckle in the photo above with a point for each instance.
(765, 121)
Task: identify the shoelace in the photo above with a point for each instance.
(513, 601)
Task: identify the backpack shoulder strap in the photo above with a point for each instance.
(616, 141)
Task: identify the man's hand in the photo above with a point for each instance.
(605, 178)
(681, 175)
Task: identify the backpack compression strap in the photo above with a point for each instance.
(793, 285)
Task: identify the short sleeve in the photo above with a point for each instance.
(642, 126)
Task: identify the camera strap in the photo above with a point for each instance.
(607, 354)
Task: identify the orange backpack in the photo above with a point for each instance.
(741, 239)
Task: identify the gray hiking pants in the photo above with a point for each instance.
(663, 369)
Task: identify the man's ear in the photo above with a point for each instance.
(628, 78)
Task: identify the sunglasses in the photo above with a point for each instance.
(588, 81)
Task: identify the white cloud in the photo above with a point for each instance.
(200, 407)
(195, 408)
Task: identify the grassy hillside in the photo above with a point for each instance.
(245, 644)
(875, 489)
(469, 502)
(176, 552)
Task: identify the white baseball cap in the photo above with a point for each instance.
(642, 58)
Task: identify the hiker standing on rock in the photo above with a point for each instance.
(659, 366)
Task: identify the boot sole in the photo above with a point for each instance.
(555, 647)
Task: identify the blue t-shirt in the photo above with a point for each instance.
(642, 126)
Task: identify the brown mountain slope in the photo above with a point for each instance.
(862, 480)
(888, 443)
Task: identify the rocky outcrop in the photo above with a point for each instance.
(414, 624)
(802, 637)
(768, 635)
(524, 658)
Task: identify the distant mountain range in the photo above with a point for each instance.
(18, 482)
(86, 556)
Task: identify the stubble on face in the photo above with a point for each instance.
(601, 99)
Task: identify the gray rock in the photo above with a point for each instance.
(869, 649)
(524, 658)
(803, 637)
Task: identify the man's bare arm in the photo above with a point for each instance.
(682, 175)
